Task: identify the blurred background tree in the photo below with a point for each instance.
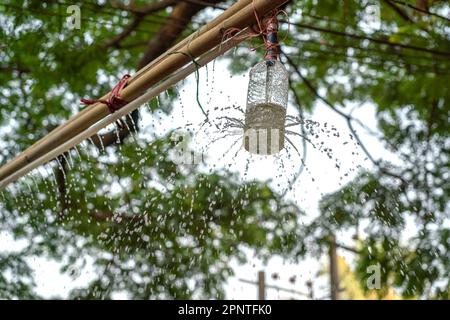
(352, 289)
(171, 232)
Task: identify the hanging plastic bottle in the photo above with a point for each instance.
(267, 99)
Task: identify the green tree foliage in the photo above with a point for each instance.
(156, 230)
(400, 210)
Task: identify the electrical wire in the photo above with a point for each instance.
(54, 14)
(371, 39)
(344, 24)
(421, 10)
(333, 56)
(376, 50)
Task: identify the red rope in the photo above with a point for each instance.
(271, 28)
(266, 27)
(114, 101)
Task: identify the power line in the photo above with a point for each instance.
(205, 4)
(372, 39)
(420, 10)
(271, 286)
(323, 52)
(301, 25)
(345, 24)
(147, 19)
(54, 14)
(297, 24)
(93, 20)
(356, 57)
(396, 1)
(112, 11)
(368, 50)
(333, 56)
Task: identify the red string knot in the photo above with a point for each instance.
(114, 101)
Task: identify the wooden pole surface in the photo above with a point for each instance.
(195, 46)
(334, 270)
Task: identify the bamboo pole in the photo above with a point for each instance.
(166, 66)
(216, 21)
(231, 11)
(236, 7)
(130, 107)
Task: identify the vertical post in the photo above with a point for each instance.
(272, 44)
(261, 285)
(309, 284)
(334, 272)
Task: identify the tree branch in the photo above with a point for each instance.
(422, 7)
(205, 4)
(132, 45)
(183, 13)
(399, 11)
(19, 70)
(404, 15)
(349, 249)
(115, 42)
(145, 10)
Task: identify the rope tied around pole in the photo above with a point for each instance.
(163, 67)
(271, 39)
(114, 101)
(267, 28)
